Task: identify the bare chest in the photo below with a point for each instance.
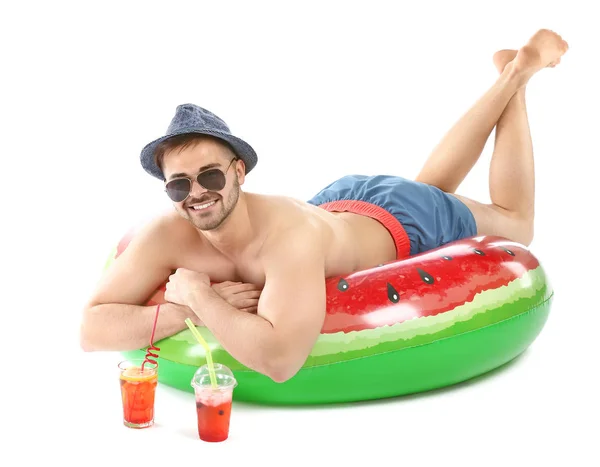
(220, 268)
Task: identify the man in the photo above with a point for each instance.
(251, 267)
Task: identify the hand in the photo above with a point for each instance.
(241, 295)
(184, 284)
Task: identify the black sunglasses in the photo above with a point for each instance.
(179, 189)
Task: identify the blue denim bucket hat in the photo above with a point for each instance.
(190, 118)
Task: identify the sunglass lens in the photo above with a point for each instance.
(178, 189)
(213, 180)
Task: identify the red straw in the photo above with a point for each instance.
(152, 346)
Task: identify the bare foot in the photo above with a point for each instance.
(503, 58)
(544, 49)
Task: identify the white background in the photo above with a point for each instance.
(319, 89)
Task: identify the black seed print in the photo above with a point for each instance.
(427, 278)
(508, 251)
(478, 251)
(393, 295)
(221, 412)
(447, 258)
(343, 285)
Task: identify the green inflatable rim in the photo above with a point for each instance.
(441, 363)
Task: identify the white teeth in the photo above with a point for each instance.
(198, 207)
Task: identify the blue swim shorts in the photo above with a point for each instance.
(419, 217)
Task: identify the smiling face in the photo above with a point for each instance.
(186, 158)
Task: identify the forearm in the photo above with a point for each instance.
(120, 327)
(247, 337)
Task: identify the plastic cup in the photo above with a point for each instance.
(213, 404)
(137, 392)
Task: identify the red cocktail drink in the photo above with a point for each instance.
(214, 412)
(137, 393)
(213, 403)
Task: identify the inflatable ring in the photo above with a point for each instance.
(411, 325)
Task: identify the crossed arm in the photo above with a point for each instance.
(277, 340)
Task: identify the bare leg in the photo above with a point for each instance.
(512, 159)
(511, 166)
(456, 154)
(512, 172)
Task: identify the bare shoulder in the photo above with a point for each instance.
(146, 263)
(284, 211)
(162, 237)
(294, 242)
(289, 226)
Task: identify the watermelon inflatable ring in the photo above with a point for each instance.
(411, 325)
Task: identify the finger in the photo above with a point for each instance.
(246, 295)
(225, 284)
(251, 309)
(243, 287)
(228, 283)
(247, 303)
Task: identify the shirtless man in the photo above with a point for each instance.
(251, 267)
